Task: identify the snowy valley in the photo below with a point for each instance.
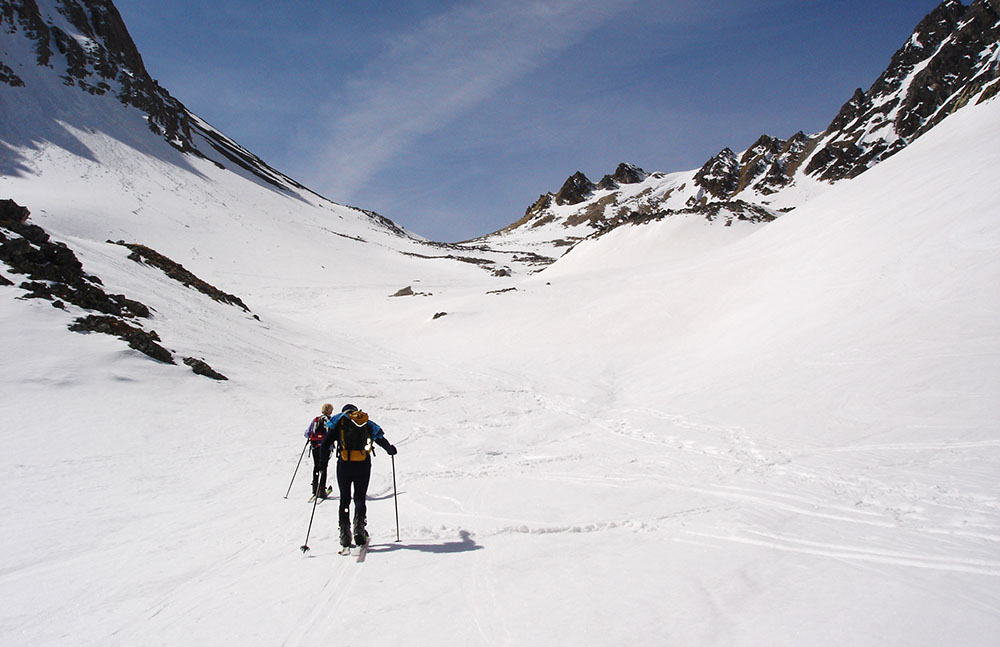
(669, 430)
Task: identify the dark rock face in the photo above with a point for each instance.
(200, 367)
(55, 273)
(720, 175)
(111, 61)
(53, 269)
(726, 212)
(542, 203)
(949, 59)
(575, 190)
(767, 166)
(176, 271)
(137, 338)
(7, 76)
(628, 174)
(12, 213)
(624, 174)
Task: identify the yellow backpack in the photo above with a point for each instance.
(355, 440)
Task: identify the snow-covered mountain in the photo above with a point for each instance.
(952, 58)
(678, 433)
(137, 169)
(87, 46)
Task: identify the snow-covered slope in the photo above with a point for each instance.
(677, 434)
(131, 162)
(951, 59)
(788, 439)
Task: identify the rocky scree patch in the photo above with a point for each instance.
(54, 273)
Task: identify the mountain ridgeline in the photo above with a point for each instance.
(951, 59)
(89, 47)
(86, 44)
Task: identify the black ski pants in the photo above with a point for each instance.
(320, 461)
(356, 475)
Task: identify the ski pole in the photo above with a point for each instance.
(297, 468)
(305, 547)
(395, 501)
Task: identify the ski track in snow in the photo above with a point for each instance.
(732, 454)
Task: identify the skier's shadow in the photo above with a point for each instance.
(463, 545)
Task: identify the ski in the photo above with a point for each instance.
(362, 552)
(329, 489)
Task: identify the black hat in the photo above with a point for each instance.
(348, 407)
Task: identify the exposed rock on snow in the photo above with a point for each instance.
(409, 292)
(624, 174)
(141, 340)
(200, 367)
(951, 59)
(575, 190)
(176, 271)
(56, 274)
(54, 271)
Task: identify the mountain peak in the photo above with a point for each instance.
(951, 58)
(575, 190)
(86, 45)
(625, 174)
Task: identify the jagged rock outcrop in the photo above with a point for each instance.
(86, 44)
(54, 273)
(766, 167)
(720, 175)
(99, 57)
(146, 342)
(624, 174)
(201, 367)
(176, 271)
(951, 58)
(575, 190)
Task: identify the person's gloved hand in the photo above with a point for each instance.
(389, 448)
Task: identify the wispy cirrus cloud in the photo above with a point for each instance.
(442, 68)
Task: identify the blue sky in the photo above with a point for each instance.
(450, 118)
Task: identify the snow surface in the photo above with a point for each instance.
(678, 434)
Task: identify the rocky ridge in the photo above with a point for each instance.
(951, 59)
(53, 273)
(86, 45)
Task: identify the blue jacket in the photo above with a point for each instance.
(374, 431)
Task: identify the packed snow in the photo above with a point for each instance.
(678, 434)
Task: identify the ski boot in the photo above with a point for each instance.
(360, 532)
(345, 528)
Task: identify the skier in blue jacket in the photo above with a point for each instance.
(353, 434)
